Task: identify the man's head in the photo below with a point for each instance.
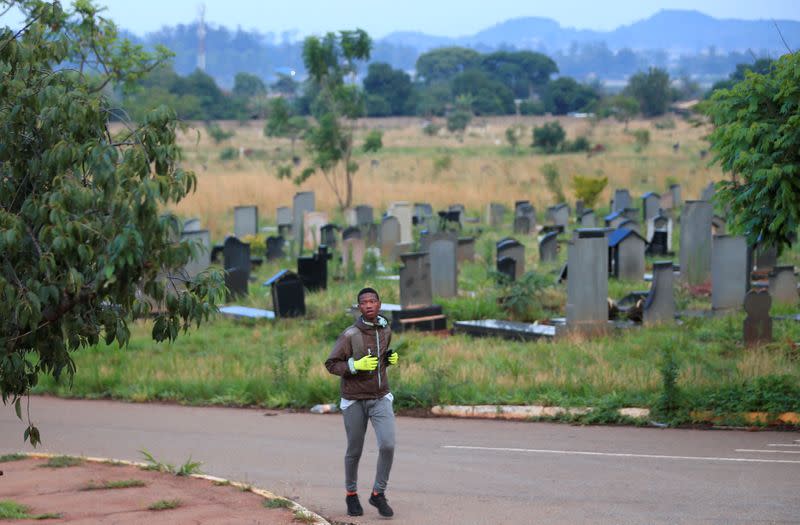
(369, 304)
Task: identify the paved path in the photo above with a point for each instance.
(453, 471)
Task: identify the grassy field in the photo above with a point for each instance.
(280, 363)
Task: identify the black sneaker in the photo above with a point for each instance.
(354, 507)
(379, 501)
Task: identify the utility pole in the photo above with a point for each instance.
(201, 38)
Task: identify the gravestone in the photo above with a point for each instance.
(729, 272)
(371, 231)
(201, 258)
(288, 294)
(717, 225)
(695, 247)
(415, 280)
(509, 247)
(191, 225)
(245, 221)
(462, 212)
(313, 269)
(629, 225)
(495, 214)
(766, 257)
(659, 235)
(675, 190)
(508, 267)
(587, 286)
(313, 221)
(588, 219)
(548, 248)
(614, 219)
(328, 236)
(622, 200)
(651, 204)
(402, 211)
(275, 248)
(442, 248)
(389, 237)
(466, 249)
(626, 254)
(522, 225)
(422, 213)
(659, 307)
(302, 203)
(364, 215)
(579, 208)
(350, 217)
(758, 324)
(559, 214)
(284, 221)
(631, 214)
(237, 266)
(708, 192)
(665, 203)
(352, 232)
(783, 285)
(353, 249)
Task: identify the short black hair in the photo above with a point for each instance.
(367, 290)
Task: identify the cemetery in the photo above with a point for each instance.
(498, 294)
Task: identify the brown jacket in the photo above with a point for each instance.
(362, 384)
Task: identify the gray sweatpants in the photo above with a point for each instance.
(380, 412)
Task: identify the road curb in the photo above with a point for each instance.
(515, 412)
(296, 507)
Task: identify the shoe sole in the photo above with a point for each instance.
(381, 513)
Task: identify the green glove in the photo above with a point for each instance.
(367, 363)
(393, 357)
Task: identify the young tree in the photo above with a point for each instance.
(282, 123)
(756, 139)
(85, 245)
(651, 90)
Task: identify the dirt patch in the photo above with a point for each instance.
(122, 494)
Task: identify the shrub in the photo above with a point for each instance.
(579, 144)
(549, 137)
(229, 154)
(218, 134)
(431, 129)
(642, 138)
(458, 120)
(588, 189)
(532, 107)
(552, 179)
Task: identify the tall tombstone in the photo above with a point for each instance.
(442, 248)
(466, 249)
(364, 215)
(757, 326)
(313, 269)
(508, 267)
(587, 286)
(559, 214)
(651, 204)
(328, 235)
(275, 245)
(522, 225)
(579, 208)
(717, 225)
(302, 203)
(622, 200)
(350, 217)
(659, 235)
(548, 248)
(783, 285)
(627, 251)
(509, 247)
(237, 266)
(766, 257)
(695, 236)
(659, 307)
(353, 250)
(495, 214)
(191, 225)
(390, 236)
(708, 192)
(288, 294)
(462, 212)
(313, 221)
(665, 202)
(245, 221)
(588, 219)
(422, 213)
(403, 212)
(201, 259)
(283, 218)
(675, 190)
(729, 272)
(415, 280)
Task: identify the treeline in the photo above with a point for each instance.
(447, 79)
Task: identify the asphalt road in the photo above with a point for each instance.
(450, 470)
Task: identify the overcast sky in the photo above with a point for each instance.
(436, 17)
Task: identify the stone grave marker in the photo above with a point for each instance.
(579, 208)
(191, 225)
(659, 235)
(614, 219)
(313, 221)
(665, 203)
(675, 190)
(284, 218)
(352, 232)
(559, 214)
(695, 252)
(237, 266)
(783, 285)
(466, 249)
(631, 213)
(402, 211)
(651, 204)
(313, 269)
(415, 280)
(389, 237)
(422, 213)
(245, 221)
(353, 249)
(587, 286)
(303, 202)
(522, 225)
(758, 324)
(708, 192)
(509, 247)
(350, 217)
(548, 248)
(288, 294)
(717, 225)
(659, 307)
(588, 219)
(507, 266)
(200, 260)
(275, 245)
(729, 273)
(442, 248)
(328, 236)
(766, 257)
(626, 254)
(622, 200)
(364, 215)
(629, 225)
(495, 214)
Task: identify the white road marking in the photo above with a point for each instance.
(768, 451)
(620, 454)
(784, 445)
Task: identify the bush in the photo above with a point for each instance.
(579, 144)
(549, 137)
(218, 134)
(552, 179)
(229, 154)
(513, 134)
(588, 189)
(665, 123)
(458, 120)
(531, 107)
(642, 138)
(431, 129)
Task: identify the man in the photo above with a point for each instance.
(361, 356)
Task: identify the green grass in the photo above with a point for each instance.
(12, 457)
(303, 517)
(10, 510)
(119, 484)
(165, 504)
(277, 503)
(62, 462)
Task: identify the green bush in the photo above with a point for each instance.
(642, 138)
(431, 129)
(588, 189)
(218, 134)
(229, 154)
(549, 137)
(532, 107)
(552, 180)
(579, 144)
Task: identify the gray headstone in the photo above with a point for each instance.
(622, 200)
(548, 248)
(275, 246)
(675, 190)
(651, 204)
(302, 203)
(522, 225)
(659, 307)
(559, 214)
(444, 264)
(587, 286)
(237, 266)
(466, 249)
(422, 212)
(631, 213)
(729, 273)
(415, 280)
(695, 236)
(329, 235)
(708, 192)
(717, 225)
(588, 219)
(659, 235)
(758, 324)
(579, 208)
(191, 225)
(313, 221)
(353, 249)
(201, 259)
(283, 216)
(353, 232)
(389, 237)
(511, 248)
(630, 258)
(783, 285)
(364, 215)
(495, 214)
(766, 257)
(245, 221)
(403, 212)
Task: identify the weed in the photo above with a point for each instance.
(165, 504)
(222, 483)
(12, 457)
(189, 467)
(303, 517)
(118, 484)
(11, 510)
(154, 464)
(62, 462)
(278, 503)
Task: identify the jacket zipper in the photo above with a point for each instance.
(378, 349)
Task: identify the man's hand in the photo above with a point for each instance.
(367, 363)
(393, 357)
